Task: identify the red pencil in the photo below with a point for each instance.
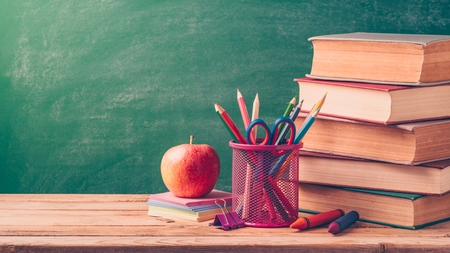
(231, 124)
(244, 112)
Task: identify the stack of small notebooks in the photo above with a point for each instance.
(381, 145)
(195, 209)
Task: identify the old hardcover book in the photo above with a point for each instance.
(426, 179)
(381, 104)
(402, 59)
(410, 143)
(403, 210)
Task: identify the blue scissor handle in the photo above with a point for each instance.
(278, 121)
(271, 136)
(259, 122)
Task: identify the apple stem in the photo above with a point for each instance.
(192, 137)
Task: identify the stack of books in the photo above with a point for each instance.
(381, 145)
(195, 209)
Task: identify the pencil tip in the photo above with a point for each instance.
(316, 112)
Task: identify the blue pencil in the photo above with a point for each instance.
(308, 122)
(286, 128)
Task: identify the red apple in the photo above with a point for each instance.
(190, 170)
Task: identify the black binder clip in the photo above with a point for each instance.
(227, 220)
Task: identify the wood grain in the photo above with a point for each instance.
(61, 223)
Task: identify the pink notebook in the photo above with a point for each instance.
(209, 199)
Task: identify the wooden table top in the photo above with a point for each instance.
(106, 223)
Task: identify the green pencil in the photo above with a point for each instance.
(287, 112)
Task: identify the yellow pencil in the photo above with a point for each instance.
(319, 104)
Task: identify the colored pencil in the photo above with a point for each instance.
(255, 115)
(320, 103)
(307, 116)
(269, 205)
(230, 124)
(281, 196)
(305, 127)
(225, 124)
(284, 166)
(288, 111)
(243, 110)
(286, 128)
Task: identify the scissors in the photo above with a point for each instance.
(271, 136)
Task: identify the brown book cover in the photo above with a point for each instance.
(389, 208)
(409, 144)
(400, 59)
(376, 103)
(325, 169)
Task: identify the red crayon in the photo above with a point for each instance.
(343, 222)
(317, 219)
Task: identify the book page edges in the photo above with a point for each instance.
(439, 164)
(377, 82)
(408, 125)
(328, 152)
(419, 39)
(374, 189)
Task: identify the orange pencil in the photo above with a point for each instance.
(231, 124)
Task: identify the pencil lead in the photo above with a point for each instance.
(219, 108)
(239, 95)
(316, 113)
(293, 101)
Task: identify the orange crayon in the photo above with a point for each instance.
(317, 219)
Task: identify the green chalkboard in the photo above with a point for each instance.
(93, 92)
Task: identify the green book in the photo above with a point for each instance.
(401, 210)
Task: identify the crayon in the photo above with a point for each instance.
(317, 219)
(343, 222)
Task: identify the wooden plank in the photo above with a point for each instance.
(74, 197)
(41, 223)
(164, 228)
(81, 206)
(210, 242)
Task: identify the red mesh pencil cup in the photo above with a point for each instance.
(265, 184)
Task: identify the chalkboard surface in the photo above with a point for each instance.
(93, 92)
